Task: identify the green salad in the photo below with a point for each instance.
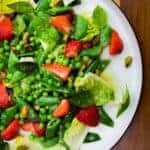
(51, 88)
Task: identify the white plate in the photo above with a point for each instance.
(131, 77)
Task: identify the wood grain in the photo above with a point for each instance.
(138, 135)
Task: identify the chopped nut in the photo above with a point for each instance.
(128, 61)
(26, 40)
(24, 111)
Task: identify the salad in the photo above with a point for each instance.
(51, 84)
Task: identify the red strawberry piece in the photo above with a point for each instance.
(116, 44)
(4, 97)
(34, 128)
(89, 116)
(6, 28)
(62, 22)
(73, 48)
(38, 131)
(11, 131)
(59, 70)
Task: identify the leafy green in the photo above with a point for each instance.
(105, 36)
(97, 90)
(92, 137)
(75, 134)
(99, 17)
(92, 32)
(125, 103)
(81, 26)
(21, 7)
(105, 118)
(19, 25)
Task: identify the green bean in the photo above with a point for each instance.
(50, 142)
(8, 115)
(91, 52)
(47, 101)
(105, 118)
(59, 10)
(92, 137)
(52, 127)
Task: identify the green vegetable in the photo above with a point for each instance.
(75, 134)
(105, 36)
(99, 17)
(125, 103)
(92, 90)
(19, 25)
(103, 63)
(7, 115)
(105, 118)
(92, 52)
(128, 61)
(49, 142)
(47, 101)
(91, 137)
(21, 7)
(43, 5)
(52, 127)
(81, 26)
(59, 10)
(3, 145)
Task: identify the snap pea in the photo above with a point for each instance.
(47, 101)
(59, 10)
(92, 52)
(92, 137)
(103, 64)
(81, 26)
(52, 127)
(7, 115)
(50, 142)
(105, 118)
(125, 103)
(43, 5)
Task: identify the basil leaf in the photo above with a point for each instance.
(21, 7)
(105, 118)
(125, 104)
(81, 26)
(99, 17)
(19, 25)
(92, 137)
(105, 36)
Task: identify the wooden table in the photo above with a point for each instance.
(137, 136)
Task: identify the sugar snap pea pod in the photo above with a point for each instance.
(43, 5)
(92, 137)
(81, 26)
(47, 101)
(91, 52)
(105, 118)
(52, 127)
(50, 142)
(125, 103)
(59, 10)
(103, 64)
(92, 67)
(7, 115)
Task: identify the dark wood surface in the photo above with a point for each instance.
(137, 136)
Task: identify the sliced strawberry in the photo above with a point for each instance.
(73, 48)
(62, 22)
(39, 131)
(34, 128)
(28, 126)
(11, 131)
(4, 97)
(59, 70)
(116, 44)
(89, 116)
(62, 109)
(6, 28)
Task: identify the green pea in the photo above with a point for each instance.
(9, 76)
(21, 43)
(31, 137)
(85, 58)
(78, 65)
(37, 77)
(30, 98)
(1, 127)
(18, 47)
(17, 116)
(43, 117)
(81, 74)
(45, 94)
(42, 110)
(6, 47)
